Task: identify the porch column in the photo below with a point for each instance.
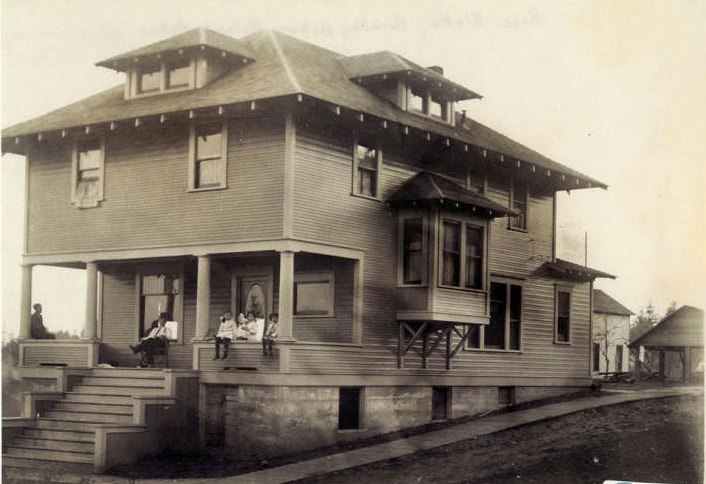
(286, 294)
(26, 302)
(203, 297)
(91, 321)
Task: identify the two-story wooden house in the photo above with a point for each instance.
(408, 250)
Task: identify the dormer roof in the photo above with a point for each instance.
(193, 39)
(375, 65)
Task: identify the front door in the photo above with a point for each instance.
(254, 296)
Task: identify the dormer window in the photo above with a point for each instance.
(422, 100)
(178, 74)
(163, 76)
(148, 79)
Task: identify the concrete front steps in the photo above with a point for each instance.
(66, 430)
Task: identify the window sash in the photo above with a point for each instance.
(451, 255)
(208, 156)
(563, 316)
(413, 259)
(474, 257)
(314, 294)
(178, 74)
(519, 195)
(366, 161)
(88, 172)
(148, 80)
(504, 331)
(462, 255)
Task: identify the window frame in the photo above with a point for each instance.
(162, 67)
(401, 250)
(424, 93)
(558, 289)
(75, 172)
(355, 188)
(310, 277)
(193, 162)
(509, 283)
(463, 224)
(515, 183)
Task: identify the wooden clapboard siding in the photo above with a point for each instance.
(241, 355)
(70, 355)
(458, 301)
(339, 327)
(412, 299)
(146, 199)
(327, 212)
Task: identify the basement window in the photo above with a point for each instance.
(349, 408)
(440, 403)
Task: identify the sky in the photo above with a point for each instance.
(612, 88)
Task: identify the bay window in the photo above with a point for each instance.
(462, 255)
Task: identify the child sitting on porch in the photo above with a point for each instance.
(270, 335)
(226, 333)
(247, 327)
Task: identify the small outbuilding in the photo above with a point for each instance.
(680, 333)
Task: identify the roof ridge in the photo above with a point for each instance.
(283, 60)
(434, 184)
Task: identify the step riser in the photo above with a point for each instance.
(92, 408)
(60, 445)
(125, 391)
(124, 382)
(41, 424)
(16, 469)
(50, 455)
(97, 399)
(57, 435)
(127, 373)
(88, 417)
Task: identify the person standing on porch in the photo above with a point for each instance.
(37, 328)
(226, 333)
(157, 337)
(271, 332)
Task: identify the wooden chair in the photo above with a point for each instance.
(162, 352)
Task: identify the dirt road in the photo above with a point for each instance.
(649, 441)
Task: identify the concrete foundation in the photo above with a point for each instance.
(258, 421)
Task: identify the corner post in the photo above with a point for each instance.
(286, 294)
(26, 302)
(90, 321)
(203, 297)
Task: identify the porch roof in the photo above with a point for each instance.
(574, 272)
(427, 188)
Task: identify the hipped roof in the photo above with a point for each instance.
(427, 187)
(684, 327)
(193, 38)
(603, 303)
(283, 66)
(574, 272)
(388, 63)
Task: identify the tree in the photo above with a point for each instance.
(610, 337)
(646, 319)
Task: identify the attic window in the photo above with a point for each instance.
(148, 79)
(178, 74)
(422, 100)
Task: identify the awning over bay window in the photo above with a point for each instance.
(428, 188)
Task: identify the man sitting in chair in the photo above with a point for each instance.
(158, 337)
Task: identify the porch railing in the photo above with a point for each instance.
(70, 353)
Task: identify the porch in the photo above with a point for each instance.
(315, 290)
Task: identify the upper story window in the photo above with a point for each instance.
(161, 76)
(462, 255)
(88, 172)
(503, 330)
(519, 201)
(562, 326)
(314, 294)
(208, 156)
(178, 74)
(422, 100)
(367, 163)
(413, 251)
